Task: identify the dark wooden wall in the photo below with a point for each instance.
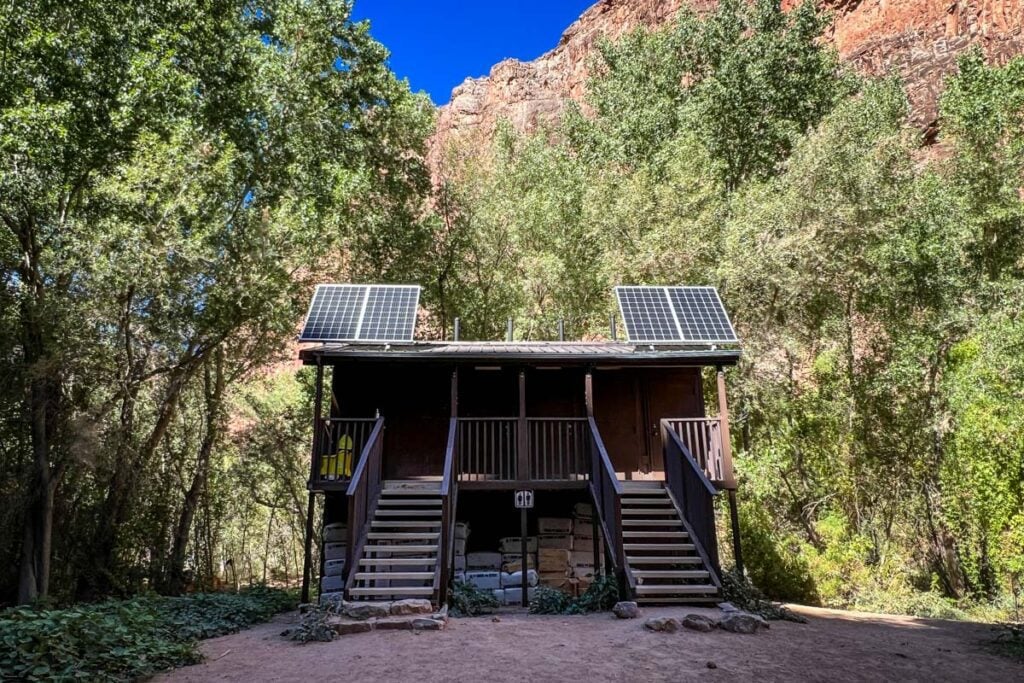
(415, 401)
(629, 405)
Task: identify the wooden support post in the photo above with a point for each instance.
(737, 550)
(728, 477)
(524, 548)
(307, 551)
(588, 392)
(523, 439)
(455, 393)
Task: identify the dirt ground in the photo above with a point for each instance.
(833, 646)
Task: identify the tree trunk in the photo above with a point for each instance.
(116, 506)
(214, 391)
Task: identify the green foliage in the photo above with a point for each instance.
(600, 596)
(125, 640)
(743, 594)
(876, 286)
(314, 626)
(466, 600)
(548, 600)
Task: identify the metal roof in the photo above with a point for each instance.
(543, 352)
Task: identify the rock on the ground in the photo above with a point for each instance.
(664, 624)
(411, 606)
(741, 622)
(727, 607)
(626, 610)
(344, 628)
(424, 624)
(332, 600)
(365, 610)
(698, 622)
(393, 624)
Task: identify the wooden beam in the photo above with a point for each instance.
(455, 392)
(307, 550)
(588, 392)
(728, 479)
(523, 440)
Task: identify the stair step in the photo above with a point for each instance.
(397, 590)
(404, 524)
(409, 502)
(679, 600)
(651, 522)
(408, 513)
(642, 486)
(702, 589)
(412, 491)
(670, 573)
(655, 534)
(657, 546)
(648, 511)
(397, 561)
(402, 536)
(400, 548)
(380, 576)
(644, 559)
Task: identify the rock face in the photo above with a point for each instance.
(918, 39)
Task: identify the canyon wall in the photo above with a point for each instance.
(918, 39)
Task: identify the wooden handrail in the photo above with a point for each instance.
(362, 493)
(449, 493)
(703, 438)
(693, 494)
(606, 491)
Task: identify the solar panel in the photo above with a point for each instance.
(687, 315)
(373, 313)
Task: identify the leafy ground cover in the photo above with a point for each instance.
(125, 639)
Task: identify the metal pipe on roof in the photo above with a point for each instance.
(612, 322)
(561, 329)
(456, 329)
(508, 330)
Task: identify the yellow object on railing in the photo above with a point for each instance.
(339, 464)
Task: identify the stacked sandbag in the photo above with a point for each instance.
(460, 541)
(332, 583)
(483, 561)
(511, 548)
(554, 567)
(583, 542)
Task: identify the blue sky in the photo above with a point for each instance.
(437, 44)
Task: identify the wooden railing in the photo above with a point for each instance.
(702, 437)
(487, 448)
(363, 491)
(449, 502)
(606, 490)
(694, 495)
(339, 440)
(558, 448)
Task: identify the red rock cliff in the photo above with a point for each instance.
(919, 39)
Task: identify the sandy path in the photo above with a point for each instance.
(834, 646)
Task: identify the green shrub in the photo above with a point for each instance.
(314, 626)
(548, 600)
(600, 596)
(466, 600)
(738, 590)
(126, 639)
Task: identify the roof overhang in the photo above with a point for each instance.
(522, 353)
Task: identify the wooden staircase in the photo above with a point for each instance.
(400, 556)
(662, 559)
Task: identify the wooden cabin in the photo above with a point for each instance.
(412, 438)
